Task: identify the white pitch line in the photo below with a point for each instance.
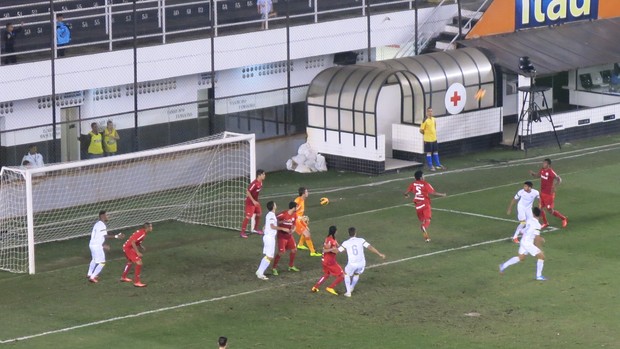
(209, 300)
(438, 252)
(509, 164)
(546, 230)
(476, 215)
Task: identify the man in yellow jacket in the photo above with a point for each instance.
(93, 142)
(110, 138)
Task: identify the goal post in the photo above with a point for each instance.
(199, 182)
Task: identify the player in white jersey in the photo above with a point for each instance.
(97, 246)
(530, 244)
(269, 240)
(525, 198)
(356, 259)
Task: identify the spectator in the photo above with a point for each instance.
(265, 8)
(9, 42)
(33, 158)
(63, 34)
(222, 342)
(110, 136)
(92, 143)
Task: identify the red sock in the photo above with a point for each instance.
(559, 215)
(127, 269)
(337, 281)
(257, 222)
(544, 216)
(244, 225)
(137, 273)
(275, 261)
(321, 280)
(291, 261)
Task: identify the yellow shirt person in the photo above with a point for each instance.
(95, 142)
(429, 130)
(110, 138)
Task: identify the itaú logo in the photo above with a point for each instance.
(536, 13)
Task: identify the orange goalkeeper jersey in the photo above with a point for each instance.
(300, 224)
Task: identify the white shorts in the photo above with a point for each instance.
(529, 248)
(96, 251)
(269, 246)
(351, 269)
(523, 214)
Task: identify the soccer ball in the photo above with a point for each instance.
(324, 201)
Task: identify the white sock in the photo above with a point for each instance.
(97, 270)
(539, 267)
(264, 264)
(347, 283)
(518, 230)
(354, 281)
(91, 268)
(511, 261)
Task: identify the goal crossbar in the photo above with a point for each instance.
(201, 182)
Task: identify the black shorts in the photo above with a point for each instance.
(431, 147)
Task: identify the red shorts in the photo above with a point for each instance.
(423, 212)
(131, 255)
(546, 200)
(332, 269)
(251, 209)
(286, 243)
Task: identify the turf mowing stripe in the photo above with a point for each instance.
(209, 300)
(475, 215)
(576, 153)
(510, 163)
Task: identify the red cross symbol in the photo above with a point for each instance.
(455, 98)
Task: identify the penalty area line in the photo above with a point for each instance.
(547, 230)
(221, 298)
(438, 252)
(476, 215)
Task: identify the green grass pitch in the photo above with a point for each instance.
(444, 294)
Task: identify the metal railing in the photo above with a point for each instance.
(100, 25)
(427, 30)
(468, 25)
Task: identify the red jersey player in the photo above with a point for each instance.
(330, 265)
(133, 255)
(252, 206)
(422, 190)
(286, 242)
(548, 181)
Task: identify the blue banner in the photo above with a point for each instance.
(538, 13)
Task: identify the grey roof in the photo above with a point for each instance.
(357, 87)
(555, 49)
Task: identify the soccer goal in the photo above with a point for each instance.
(199, 182)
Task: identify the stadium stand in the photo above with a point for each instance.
(92, 22)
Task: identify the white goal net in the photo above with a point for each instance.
(200, 182)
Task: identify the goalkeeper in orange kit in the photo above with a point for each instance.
(301, 224)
